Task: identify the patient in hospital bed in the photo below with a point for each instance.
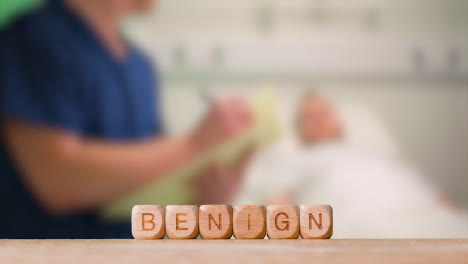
(346, 158)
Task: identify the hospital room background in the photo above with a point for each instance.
(395, 71)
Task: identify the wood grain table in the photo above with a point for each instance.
(234, 251)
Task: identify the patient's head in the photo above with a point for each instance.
(317, 120)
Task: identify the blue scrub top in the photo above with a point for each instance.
(54, 72)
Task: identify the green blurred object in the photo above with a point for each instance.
(171, 189)
(10, 9)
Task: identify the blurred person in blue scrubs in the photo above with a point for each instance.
(80, 121)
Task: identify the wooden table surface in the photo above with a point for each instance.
(234, 251)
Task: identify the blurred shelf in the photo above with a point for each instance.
(223, 77)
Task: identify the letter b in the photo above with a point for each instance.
(148, 221)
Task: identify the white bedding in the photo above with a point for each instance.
(373, 192)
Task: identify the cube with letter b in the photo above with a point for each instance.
(283, 221)
(148, 221)
(316, 221)
(215, 221)
(182, 221)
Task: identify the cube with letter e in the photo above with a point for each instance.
(182, 221)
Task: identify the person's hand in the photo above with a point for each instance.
(219, 183)
(227, 118)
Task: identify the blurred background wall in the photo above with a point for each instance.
(405, 61)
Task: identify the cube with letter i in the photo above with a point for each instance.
(249, 222)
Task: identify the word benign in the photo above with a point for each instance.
(224, 221)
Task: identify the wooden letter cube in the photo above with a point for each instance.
(148, 221)
(316, 221)
(215, 221)
(182, 221)
(249, 221)
(283, 221)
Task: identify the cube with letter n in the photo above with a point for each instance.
(215, 221)
(316, 221)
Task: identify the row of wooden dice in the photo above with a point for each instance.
(223, 221)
